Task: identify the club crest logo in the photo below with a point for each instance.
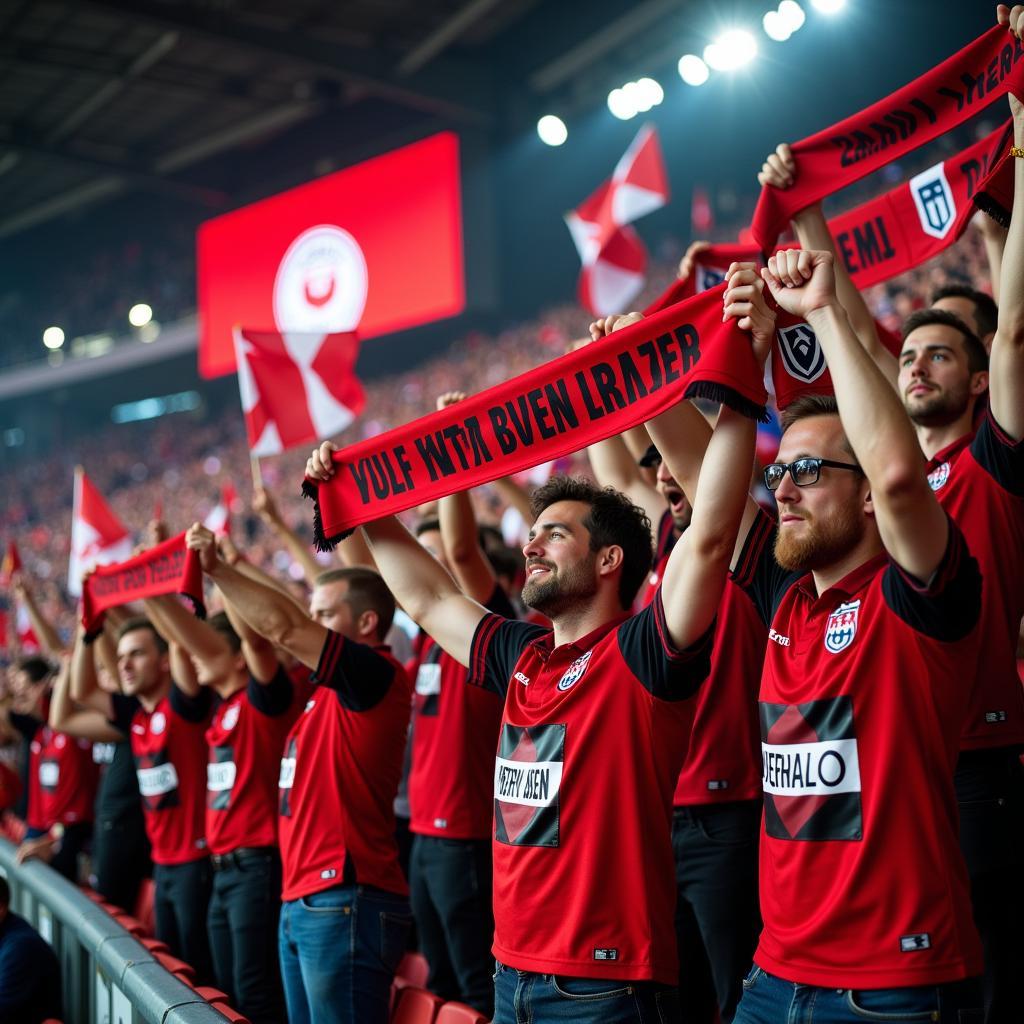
(938, 476)
(801, 353)
(321, 283)
(709, 277)
(574, 672)
(230, 719)
(841, 627)
(936, 207)
(158, 723)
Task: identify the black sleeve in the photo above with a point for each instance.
(500, 604)
(757, 573)
(25, 724)
(665, 671)
(122, 710)
(947, 608)
(999, 455)
(274, 698)
(497, 644)
(359, 675)
(192, 709)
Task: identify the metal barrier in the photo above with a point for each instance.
(109, 976)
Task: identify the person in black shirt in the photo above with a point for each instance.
(29, 972)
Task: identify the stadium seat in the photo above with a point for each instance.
(416, 1006)
(459, 1013)
(181, 970)
(230, 1013)
(414, 969)
(144, 911)
(211, 994)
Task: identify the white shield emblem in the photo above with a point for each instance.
(230, 719)
(933, 198)
(574, 672)
(841, 627)
(801, 353)
(157, 723)
(938, 476)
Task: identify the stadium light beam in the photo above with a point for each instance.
(731, 50)
(829, 6)
(140, 314)
(692, 70)
(552, 130)
(53, 338)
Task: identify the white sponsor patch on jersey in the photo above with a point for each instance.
(428, 680)
(531, 783)
(220, 776)
(287, 777)
(810, 769)
(157, 781)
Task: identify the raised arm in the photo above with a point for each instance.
(1006, 360)
(85, 723)
(515, 495)
(267, 612)
(193, 637)
(912, 525)
(266, 508)
(49, 640)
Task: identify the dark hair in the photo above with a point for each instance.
(367, 592)
(977, 357)
(986, 312)
(36, 668)
(222, 624)
(807, 406)
(612, 519)
(141, 622)
(427, 525)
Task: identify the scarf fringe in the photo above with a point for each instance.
(986, 203)
(198, 608)
(722, 394)
(320, 540)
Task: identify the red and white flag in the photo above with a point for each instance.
(28, 642)
(98, 537)
(10, 565)
(612, 255)
(296, 388)
(218, 520)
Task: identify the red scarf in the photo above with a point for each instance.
(948, 95)
(553, 410)
(168, 568)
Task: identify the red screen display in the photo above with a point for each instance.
(374, 248)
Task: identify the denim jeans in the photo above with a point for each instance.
(717, 915)
(339, 949)
(451, 901)
(770, 1000)
(522, 997)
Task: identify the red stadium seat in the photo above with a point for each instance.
(416, 1006)
(230, 1013)
(155, 945)
(181, 970)
(211, 994)
(130, 924)
(414, 969)
(460, 1013)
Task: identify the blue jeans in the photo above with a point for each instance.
(522, 997)
(339, 949)
(770, 1000)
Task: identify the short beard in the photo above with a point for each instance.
(562, 590)
(939, 410)
(824, 543)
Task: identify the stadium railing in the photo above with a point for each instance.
(109, 977)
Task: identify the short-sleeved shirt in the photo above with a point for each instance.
(592, 738)
(169, 746)
(979, 481)
(864, 690)
(246, 740)
(454, 733)
(340, 771)
(62, 780)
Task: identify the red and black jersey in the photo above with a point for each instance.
(62, 780)
(664, 542)
(980, 483)
(169, 747)
(592, 739)
(340, 771)
(723, 761)
(863, 884)
(245, 740)
(454, 733)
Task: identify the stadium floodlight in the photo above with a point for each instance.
(775, 27)
(731, 50)
(829, 6)
(140, 314)
(692, 70)
(53, 338)
(651, 92)
(552, 130)
(621, 105)
(792, 15)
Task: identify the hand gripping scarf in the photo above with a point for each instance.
(926, 108)
(168, 568)
(555, 409)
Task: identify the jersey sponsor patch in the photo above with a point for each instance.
(103, 753)
(286, 780)
(841, 627)
(811, 770)
(994, 717)
(606, 954)
(913, 943)
(428, 680)
(575, 671)
(938, 476)
(717, 784)
(157, 781)
(220, 778)
(527, 785)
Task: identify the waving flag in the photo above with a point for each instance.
(612, 255)
(97, 535)
(296, 388)
(10, 565)
(218, 519)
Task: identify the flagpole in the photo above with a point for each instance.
(257, 476)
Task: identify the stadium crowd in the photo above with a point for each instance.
(756, 760)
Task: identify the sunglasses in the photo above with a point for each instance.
(803, 472)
